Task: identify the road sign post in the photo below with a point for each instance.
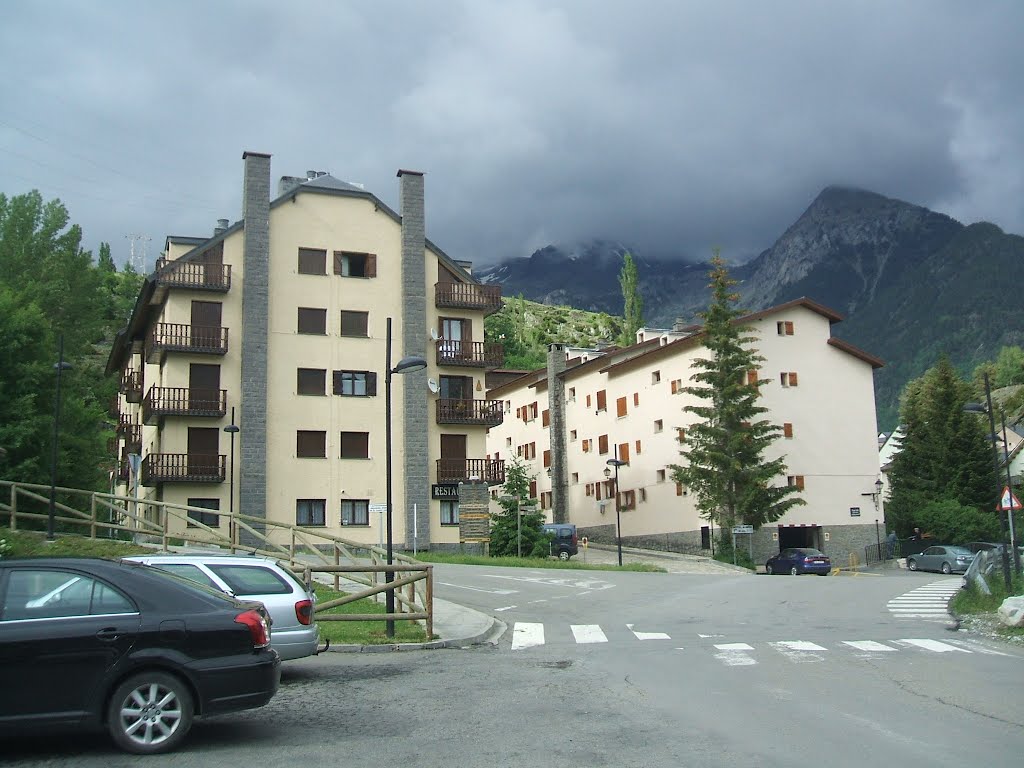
(743, 529)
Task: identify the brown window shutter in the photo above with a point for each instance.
(533, 489)
(674, 386)
(789, 327)
(597, 490)
(519, 413)
(636, 398)
(589, 490)
(546, 417)
(680, 434)
(588, 401)
(787, 429)
(547, 458)
(752, 377)
(620, 407)
(602, 401)
(371, 265)
(602, 444)
(800, 482)
(624, 452)
(679, 489)
(637, 447)
(792, 379)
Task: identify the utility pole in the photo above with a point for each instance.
(137, 260)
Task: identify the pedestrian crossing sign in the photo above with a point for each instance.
(1008, 501)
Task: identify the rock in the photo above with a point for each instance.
(1011, 612)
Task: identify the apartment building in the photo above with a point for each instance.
(590, 406)
(263, 350)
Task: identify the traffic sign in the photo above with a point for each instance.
(1008, 501)
(743, 529)
(379, 508)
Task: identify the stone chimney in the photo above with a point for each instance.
(413, 341)
(252, 494)
(221, 228)
(556, 435)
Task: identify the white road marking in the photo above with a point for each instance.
(708, 636)
(735, 654)
(648, 635)
(934, 645)
(506, 608)
(588, 633)
(527, 635)
(977, 647)
(799, 651)
(868, 645)
(478, 589)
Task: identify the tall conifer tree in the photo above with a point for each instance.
(633, 303)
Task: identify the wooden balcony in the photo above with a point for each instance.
(471, 354)
(182, 468)
(183, 401)
(131, 386)
(487, 413)
(193, 275)
(131, 437)
(178, 337)
(486, 298)
(491, 471)
(114, 407)
(124, 471)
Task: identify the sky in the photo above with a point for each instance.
(672, 127)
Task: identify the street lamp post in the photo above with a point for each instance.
(60, 366)
(1009, 486)
(616, 462)
(405, 365)
(978, 408)
(232, 429)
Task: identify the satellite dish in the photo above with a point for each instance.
(433, 386)
(433, 334)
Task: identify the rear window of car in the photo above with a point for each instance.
(252, 580)
(192, 572)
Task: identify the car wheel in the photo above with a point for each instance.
(946, 569)
(768, 569)
(563, 555)
(793, 571)
(912, 565)
(150, 713)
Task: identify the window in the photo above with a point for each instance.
(680, 434)
(211, 519)
(547, 458)
(752, 377)
(355, 383)
(449, 512)
(788, 379)
(531, 451)
(796, 481)
(545, 500)
(355, 512)
(572, 435)
(588, 445)
(637, 446)
(636, 399)
(623, 449)
(545, 418)
(655, 377)
(680, 490)
(572, 394)
(660, 475)
(602, 401)
(641, 495)
(677, 386)
(784, 327)
(310, 444)
(313, 321)
(620, 407)
(589, 489)
(246, 580)
(312, 261)
(355, 445)
(348, 264)
(354, 323)
(787, 429)
(533, 489)
(575, 478)
(49, 594)
(602, 444)
(626, 500)
(311, 381)
(588, 401)
(311, 512)
(659, 425)
(508, 440)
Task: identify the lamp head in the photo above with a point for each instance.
(878, 485)
(607, 472)
(410, 364)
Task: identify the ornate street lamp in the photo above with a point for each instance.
(616, 462)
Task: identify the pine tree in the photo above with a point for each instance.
(724, 450)
(516, 499)
(633, 303)
(943, 455)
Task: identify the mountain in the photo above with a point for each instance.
(911, 283)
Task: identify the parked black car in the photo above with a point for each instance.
(797, 560)
(95, 643)
(564, 542)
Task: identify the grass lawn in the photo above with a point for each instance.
(34, 544)
(969, 601)
(531, 562)
(362, 632)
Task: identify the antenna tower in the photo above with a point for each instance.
(137, 258)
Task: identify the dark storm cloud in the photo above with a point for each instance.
(670, 126)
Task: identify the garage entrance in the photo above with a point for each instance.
(800, 536)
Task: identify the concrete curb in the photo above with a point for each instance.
(494, 631)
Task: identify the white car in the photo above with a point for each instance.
(294, 634)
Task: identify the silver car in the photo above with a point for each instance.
(294, 634)
(942, 558)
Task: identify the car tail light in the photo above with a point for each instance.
(574, 537)
(259, 629)
(304, 611)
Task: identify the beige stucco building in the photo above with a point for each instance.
(278, 325)
(590, 406)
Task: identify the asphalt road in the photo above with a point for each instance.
(658, 691)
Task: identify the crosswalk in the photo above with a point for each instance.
(926, 602)
(526, 635)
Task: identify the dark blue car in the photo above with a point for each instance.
(797, 560)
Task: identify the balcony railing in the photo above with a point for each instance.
(131, 386)
(178, 337)
(124, 471)
(194, 275)
(474, 354)
(490, 471)
(131, 434)
(183, 401)
(114, 407)
(468, 296)
(182, 468)
(488, 413)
